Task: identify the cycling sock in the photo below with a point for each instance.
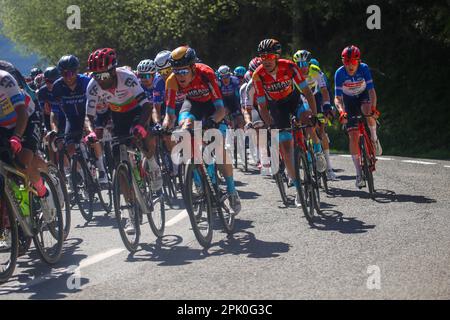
(296, 183)
(357, 162)
(317, 147)
(40, 188)
(100, 164)
(230, 184)
(327, 157)
(373, 133)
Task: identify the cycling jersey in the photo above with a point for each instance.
(315, 79)
(10, 97)
(280, 85)
(203, 88)
(72, 102)
(48, 103)
(159, 88)
(148, 92)
(353, 85)
(232, 89)
(127, 96)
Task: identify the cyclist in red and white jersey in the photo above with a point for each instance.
(130, 108)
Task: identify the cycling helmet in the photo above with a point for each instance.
(162, 60)
(224, 70)
(34, 72)
(182, 57)
(248, 76)
(302, 56)
(314, 62)
(254, 64)
(269, 46)
(146, 66)
(68, 62)
(102, 60)
(12, 70)
(350, 53)
(240, 71)
(51, 73)
(39, 80)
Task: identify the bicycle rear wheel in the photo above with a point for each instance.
(306, 191)
(197, 198)
(281, 186)
(63, 195)
(9, 242)
(49, 224)
(83, 190)
(155, 202)
(126, 210)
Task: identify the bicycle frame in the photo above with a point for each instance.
(367, 144)
(11, 198)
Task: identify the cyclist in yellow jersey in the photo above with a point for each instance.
(316, 81)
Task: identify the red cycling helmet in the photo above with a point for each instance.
(351, 53)
(102, 60)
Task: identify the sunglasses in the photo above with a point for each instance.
(181, 72)
(302, 64)
(49, 81)
(225, 76)
(101, 76)
(68, 73)
(165, 72)
(146, 76)
(268, 56)
(352, 62)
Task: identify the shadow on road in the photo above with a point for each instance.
(381, 196)
(32, 276)
(333, 220)
(168, 252)
(388, 196)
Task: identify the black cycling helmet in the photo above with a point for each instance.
(11, 69)
(269, 46)
(68, 62)
(34, 72)
(182, 57)
(51, 73)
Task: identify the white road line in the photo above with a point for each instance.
(345, 155)
(56, 273)
(447, 166)
(418, 162)
(180, 216)
(384, 159)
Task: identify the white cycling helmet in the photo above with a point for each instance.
(223, 70)
(146, 66)
(162, 60)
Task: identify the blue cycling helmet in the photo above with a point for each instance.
(240, 71)
(314, 62)
(68, 62)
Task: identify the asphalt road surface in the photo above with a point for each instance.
(394, 247)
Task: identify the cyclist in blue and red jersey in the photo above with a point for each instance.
(355, 95)
(203, 103)
(229, 86)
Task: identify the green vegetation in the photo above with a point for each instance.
(409, 56)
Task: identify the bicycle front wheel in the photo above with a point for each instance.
(126, 208)
(63, 196)
(83, 190)
(9, 242)
(368, 174)
(49, 223)
(197, 198)
(306, 189)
